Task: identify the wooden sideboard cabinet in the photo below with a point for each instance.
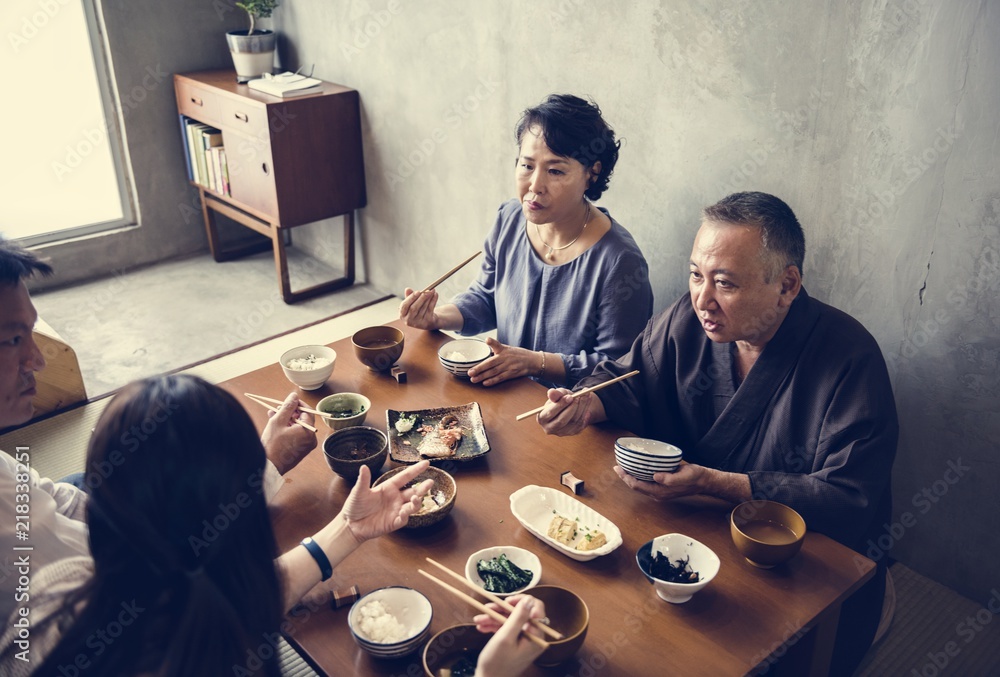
(291, 162)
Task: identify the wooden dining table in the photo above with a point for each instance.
(747, 620)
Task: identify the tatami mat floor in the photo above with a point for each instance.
(935, 632)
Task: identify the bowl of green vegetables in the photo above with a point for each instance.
(504, 570)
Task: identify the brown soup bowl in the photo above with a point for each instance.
(378, 348)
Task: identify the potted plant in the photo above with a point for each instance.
(253, 50)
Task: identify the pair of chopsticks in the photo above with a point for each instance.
(264, 402)
(575, 395)
(451, 272)
(504, 604)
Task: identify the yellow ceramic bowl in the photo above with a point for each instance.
(766, 533)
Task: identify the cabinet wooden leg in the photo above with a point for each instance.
(213, 236)
(281, 266)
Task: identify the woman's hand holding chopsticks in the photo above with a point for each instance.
(419, 308)
(285, 442)
(509, 652)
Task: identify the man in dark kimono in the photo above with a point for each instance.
(770, 393)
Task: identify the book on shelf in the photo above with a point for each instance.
(286, 85)
(185, 121)
(225, 171)
(204, 155)
(193, 128)
(211, 138)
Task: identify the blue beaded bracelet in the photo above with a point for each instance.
(325, 568)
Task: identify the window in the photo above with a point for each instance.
(63, 170)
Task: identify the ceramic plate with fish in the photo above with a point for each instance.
(442, 434)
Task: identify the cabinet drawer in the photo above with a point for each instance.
(196, 102)
(251, 172)
(244, 116)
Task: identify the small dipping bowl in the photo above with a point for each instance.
(524, 559)
(642, 458)
(347, 450)
(410, 607)
(443, 493)
(675, 547)
(308, 378)
(378, 348)
(450, 646)
(461, 355)
(766, 533)
(340, 403)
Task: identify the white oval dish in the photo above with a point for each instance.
(525, 559)
(535, 506)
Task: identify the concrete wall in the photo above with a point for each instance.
(875, 120)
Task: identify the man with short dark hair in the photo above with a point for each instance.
(770, 394)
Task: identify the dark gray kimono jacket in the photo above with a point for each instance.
(813, 425)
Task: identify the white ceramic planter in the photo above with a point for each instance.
(253, 55)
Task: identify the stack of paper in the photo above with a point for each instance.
(286, 85)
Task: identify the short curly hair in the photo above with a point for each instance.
(573, 127)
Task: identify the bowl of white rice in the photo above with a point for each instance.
(308, 367)
(391, 622)
(461, 355)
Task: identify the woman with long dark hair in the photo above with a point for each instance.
(185, 576)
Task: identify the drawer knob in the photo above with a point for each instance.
(196, 101)
(264, 168)
(241, 116)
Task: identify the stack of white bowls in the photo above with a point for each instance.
(461, 355)
(409, 607)
(641, 457)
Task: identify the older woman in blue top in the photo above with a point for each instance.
(562, 282)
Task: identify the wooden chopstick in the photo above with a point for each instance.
(279, 402)
(504, 604)
(575, 395)
(451, 272)
(275, 409)
(498, 617)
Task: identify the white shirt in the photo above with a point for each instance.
(55, 527)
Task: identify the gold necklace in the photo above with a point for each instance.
(550, 254)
